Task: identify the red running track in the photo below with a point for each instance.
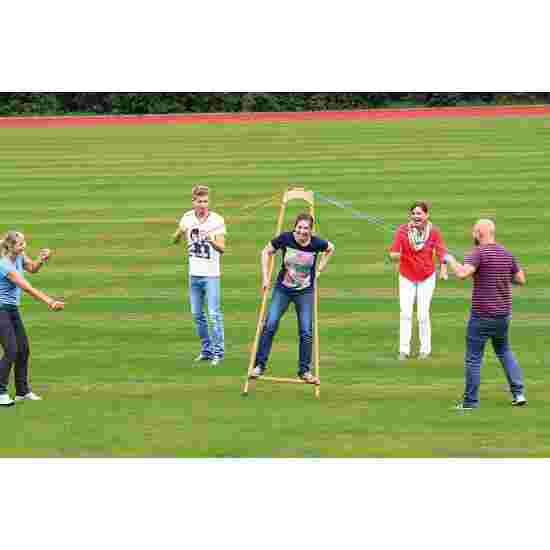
(244, 118)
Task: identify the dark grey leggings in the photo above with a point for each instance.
(15, 343)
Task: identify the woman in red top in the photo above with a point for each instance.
(414, 247)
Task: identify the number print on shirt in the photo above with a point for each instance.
(199, 247)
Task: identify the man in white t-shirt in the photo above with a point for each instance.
(205, 233)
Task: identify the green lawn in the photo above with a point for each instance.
(115, 368)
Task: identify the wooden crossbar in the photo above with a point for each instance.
(298, 193)
(277, 379)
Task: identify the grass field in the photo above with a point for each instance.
(115, 368)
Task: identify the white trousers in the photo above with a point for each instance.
(421, 292)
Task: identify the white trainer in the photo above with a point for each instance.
(6, 400)
(256, 373)
(28, 397)
(519, 400)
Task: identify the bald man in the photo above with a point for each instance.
(493, 269)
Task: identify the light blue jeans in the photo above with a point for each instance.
(207, 290)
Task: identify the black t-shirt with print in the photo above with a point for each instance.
(298, 266)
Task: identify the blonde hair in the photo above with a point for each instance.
(8, 242)
(200, 191)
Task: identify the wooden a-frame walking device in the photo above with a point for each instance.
(290, 195)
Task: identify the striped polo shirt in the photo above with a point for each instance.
(495, 268)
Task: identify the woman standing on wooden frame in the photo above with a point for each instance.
(296, 284)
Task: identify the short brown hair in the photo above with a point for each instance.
(305, 218)
(199, 191)
(421, 204)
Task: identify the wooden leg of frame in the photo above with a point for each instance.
(316, 329)
(263, 306)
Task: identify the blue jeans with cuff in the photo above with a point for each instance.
(206, 291)
(280, 300)
(481, 329)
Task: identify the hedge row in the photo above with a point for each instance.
(166, 103)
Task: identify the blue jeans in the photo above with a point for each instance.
(280, 300)
(480, 329)
(201, 290)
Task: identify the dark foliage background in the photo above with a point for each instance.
(166, 103)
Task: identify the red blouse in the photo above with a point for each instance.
(417, 266)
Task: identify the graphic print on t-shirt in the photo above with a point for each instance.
(298, 269)
(198, 246)
(204, 259)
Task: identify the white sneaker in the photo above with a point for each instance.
(519, 400)
(256, 373)
(6, 400)
(460, 406)
(202, 357)
(28, 397)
